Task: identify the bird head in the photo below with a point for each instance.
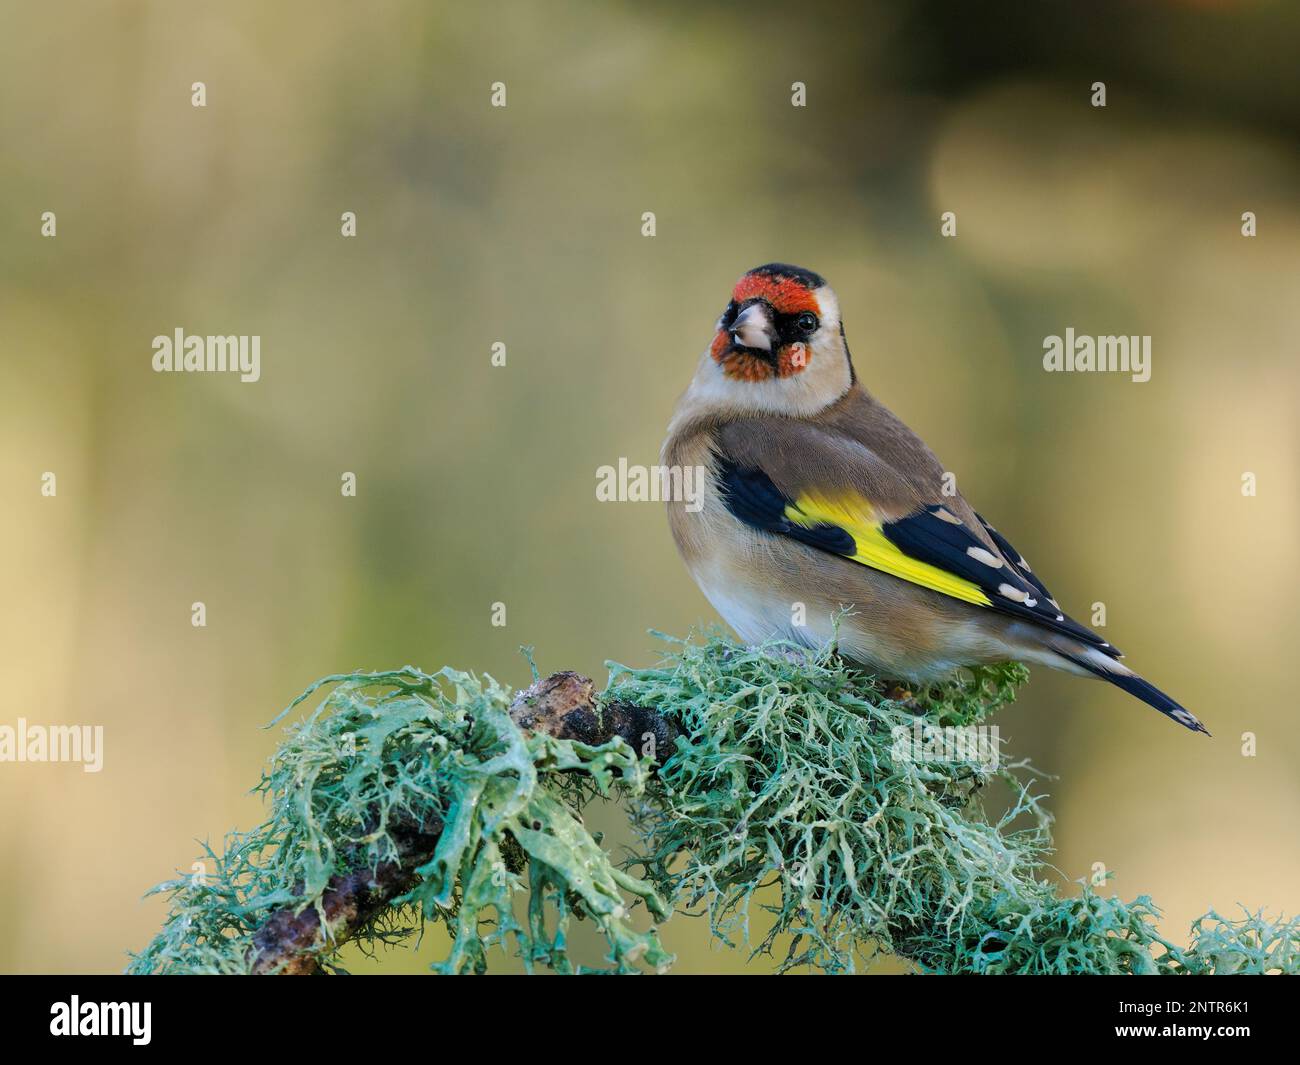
(779, 343)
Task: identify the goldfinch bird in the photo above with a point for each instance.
(817, 498)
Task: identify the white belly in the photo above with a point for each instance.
(759, 613)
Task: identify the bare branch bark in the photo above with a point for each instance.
(564, 706)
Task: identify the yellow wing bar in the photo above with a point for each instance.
(856, 517)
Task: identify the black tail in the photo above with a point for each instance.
(1143, 689)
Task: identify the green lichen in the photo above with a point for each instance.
(791, 778)
(402, 748)
(792, 792)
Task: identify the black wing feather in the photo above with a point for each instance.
(1088, 636)
(752, 497)
(930, 538)
(1005, 547)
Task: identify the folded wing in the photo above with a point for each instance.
(931, 544)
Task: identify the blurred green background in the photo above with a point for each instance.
(476, 484)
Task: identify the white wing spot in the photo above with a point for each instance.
(946, 515)
(987, 557)
(1013, 593)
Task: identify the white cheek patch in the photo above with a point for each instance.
(828, 311)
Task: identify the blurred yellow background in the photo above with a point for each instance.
(476, 484)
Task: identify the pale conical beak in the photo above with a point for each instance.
(753, 327)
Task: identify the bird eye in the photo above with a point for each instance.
(807, 322)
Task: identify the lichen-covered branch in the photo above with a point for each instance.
(406, 797)
(562, 706)
(291, 940)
